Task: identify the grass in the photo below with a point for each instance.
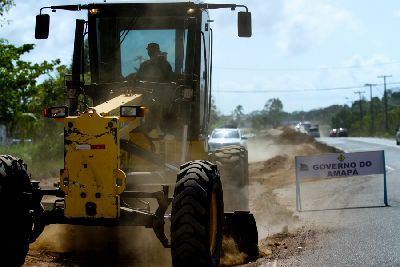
(44, 159)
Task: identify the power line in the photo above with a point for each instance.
(304, 68)
(296, 90)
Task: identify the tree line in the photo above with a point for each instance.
(370, 117)
(361, 118)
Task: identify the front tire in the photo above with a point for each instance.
(16, 215)
(197, 216)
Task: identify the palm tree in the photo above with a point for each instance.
(238, 115)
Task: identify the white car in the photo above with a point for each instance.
(222, 137)
(303, 126)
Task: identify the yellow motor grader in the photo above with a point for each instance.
(130, 137)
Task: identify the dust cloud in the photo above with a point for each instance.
(71, 245)
(230, 253)
(271, 157)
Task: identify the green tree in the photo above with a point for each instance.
(257, 119)
(343, 118)
(5, 6)
(18, 80)
(274, 111)
(215, 115)
(51, 92)
(238, 115)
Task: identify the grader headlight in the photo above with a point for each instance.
(56, 112)
(132, 111)
(93, 11)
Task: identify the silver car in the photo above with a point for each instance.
(221, 137)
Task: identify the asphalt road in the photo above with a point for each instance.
(353, 226)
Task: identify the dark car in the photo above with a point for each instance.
(342, 132)
(314, 131)
(339, 132)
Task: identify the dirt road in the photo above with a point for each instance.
(281, 233)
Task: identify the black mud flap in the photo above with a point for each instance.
(241, 226)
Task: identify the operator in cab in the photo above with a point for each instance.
(157, 68)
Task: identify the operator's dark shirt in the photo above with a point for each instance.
(156, 69)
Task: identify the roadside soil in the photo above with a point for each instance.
(282, 234)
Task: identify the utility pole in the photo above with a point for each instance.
(359, 93)
(351, 109)
(371, 107)
(385, 100)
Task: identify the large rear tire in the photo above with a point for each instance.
(16, 215)
(242, 227)
(197, 216)
(232, 162)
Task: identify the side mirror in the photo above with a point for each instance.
(42, 26)
(244, 24)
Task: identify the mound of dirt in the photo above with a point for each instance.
(284, 245)
(293, 137)
(275, 163)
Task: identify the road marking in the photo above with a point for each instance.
(275, 263)
(389, 168)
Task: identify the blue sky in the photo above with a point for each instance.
(298, 48)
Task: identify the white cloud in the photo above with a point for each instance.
(376, 59)
(396, 12)
(308, 23)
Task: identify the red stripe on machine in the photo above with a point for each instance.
(97, 146)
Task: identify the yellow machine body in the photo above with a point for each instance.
(92, 179)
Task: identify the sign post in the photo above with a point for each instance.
(385, 200)
(298, 200)
(340, 165)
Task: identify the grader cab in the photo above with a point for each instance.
(136, 128)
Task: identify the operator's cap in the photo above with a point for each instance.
(153, 47)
